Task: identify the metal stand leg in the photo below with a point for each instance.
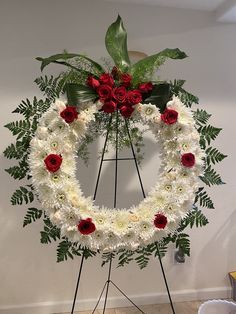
(77, 284)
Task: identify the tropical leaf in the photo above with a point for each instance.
(60, 59)
(116, 44)
(77, 93)
(160, 96)
(32, 215)
(142, 70)
(214, 156)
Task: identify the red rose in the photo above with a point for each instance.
(119, 93)
(145, 87)
(169, 116)
(126, 79)
(86, 226)
(188, 160)
(53, 162)
(104, 92)
(92, 82)
(134, 96)
(109, 106)
(107, 79)
(126, 111)
(160, 221)
(69, 114)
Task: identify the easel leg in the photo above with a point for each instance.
(77, 284)
(108, 283)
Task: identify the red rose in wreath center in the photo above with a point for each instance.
(188, 160)
(86, 226)
(169, 116)
(53, 162)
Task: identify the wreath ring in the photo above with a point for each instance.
(52, 163)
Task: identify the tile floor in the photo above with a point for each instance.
(180, 308)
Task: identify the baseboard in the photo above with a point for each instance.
(60, 307)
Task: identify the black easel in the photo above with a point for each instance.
(109, 281)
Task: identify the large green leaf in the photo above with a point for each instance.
(143, 69)
(60, 59)
(160, 96)
(77, 93)
(116, 44)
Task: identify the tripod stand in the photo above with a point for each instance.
(116, 159)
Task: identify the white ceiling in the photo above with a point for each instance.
(224, 10)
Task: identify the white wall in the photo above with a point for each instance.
(28, 271)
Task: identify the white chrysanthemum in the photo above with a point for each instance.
(71, 216)
(148, 112)
(59, 105)
(120, 222)
(184, 113)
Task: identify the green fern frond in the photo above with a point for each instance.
(50, 232)
(214, 156)
(17, 172)
(183, 243)
(63, 251)
(125, 257)
(107, 256)
(201, 116)
(207, 134)
(211, 177)
(32, 215)
(187, 98)
(22, 195)
(203, 199)
(18, 128)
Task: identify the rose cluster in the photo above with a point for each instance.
(115, 91)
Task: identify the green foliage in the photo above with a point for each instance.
(201, 116)
(214, 156)
(143, 69)
(19, 128)
(143, 255)
(187, 98)
(63, 251)
(107, 256)
(207, 134)
(22, 195)
(32, 110)
(203, 199)
(125, 257)
(77, 93)
(116, 44)
(183, 243)
(211, 177)
(60, 59)
(50, 232)
(160, 96)
(32, 215)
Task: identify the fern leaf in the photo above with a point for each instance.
(208, 133)
(17, 172)
(183, 243)
(63, 251)
(201, 116)
(22, 195)
(211, 177)
(32, 215)
(203, 199)
(214, 156)
(50, 232)
(125, 257)
(19, 128)
(25, 108)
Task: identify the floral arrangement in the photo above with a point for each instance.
(56, 129)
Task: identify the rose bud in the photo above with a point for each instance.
(145, 87)
(126, 79)
(69, 114)
(109, 106)
(169, 116)
(119, 93)
(106, 79)
(134, 96)
(92, 82)
(104, 92)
